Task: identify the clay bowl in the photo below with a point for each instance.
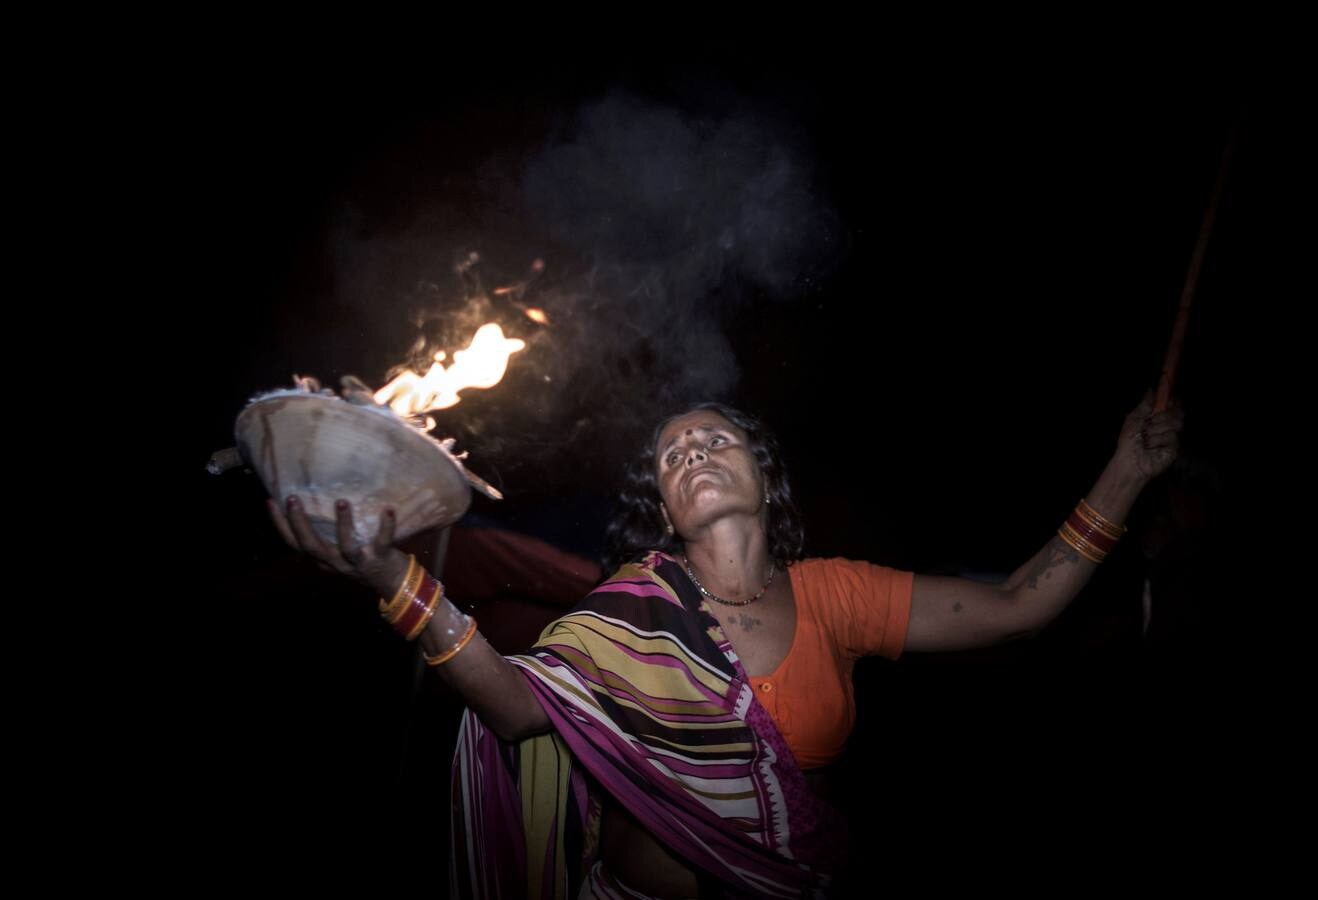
(324, 449)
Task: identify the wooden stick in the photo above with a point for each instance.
(1173, 358)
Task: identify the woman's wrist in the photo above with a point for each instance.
(392, 572)
(418, 610)
(1122, 477)
(1116, 490)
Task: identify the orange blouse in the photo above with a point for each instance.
(845, 609)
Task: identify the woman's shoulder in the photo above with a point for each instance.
(838, 579)
(840, 566)
(644, 565)
(654, 574)
(866, 604)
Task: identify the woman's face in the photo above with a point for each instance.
(706, 471)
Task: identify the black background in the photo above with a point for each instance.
(1014, 239)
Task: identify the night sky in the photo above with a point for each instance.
(944, 289)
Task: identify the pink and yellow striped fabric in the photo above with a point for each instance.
(650, 703)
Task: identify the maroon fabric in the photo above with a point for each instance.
(513, 584)
(490, 564)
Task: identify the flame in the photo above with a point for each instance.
(538, 316)
(481, 365)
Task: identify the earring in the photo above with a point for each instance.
(766, 498)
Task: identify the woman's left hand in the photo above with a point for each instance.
(1149, 441)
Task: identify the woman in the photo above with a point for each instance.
(663, 737)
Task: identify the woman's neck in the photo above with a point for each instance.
(731, 559)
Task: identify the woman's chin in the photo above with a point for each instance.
(711, 506)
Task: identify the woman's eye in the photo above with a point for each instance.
(715, 440)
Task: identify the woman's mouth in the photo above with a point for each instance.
(691, 479)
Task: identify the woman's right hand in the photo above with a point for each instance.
(378, 564)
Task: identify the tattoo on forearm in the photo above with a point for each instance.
(1057, 553)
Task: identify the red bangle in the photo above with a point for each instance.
(419, 608)
(436, 596)
(1090, 533)
(1079, 544)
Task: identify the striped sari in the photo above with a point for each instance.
(649, 703)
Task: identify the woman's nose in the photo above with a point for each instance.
(695, 455)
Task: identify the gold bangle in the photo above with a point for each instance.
(1099, 521)
(406, 596)
(1096, 527)
(386, 607)
(1083, 547)
(449, 654)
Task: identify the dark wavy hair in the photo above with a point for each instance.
(638, 525)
